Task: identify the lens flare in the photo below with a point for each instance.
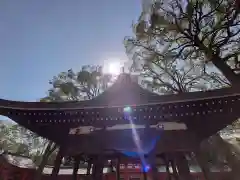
(146, 168)
(127, 109)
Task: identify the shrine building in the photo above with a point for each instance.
(129, 122)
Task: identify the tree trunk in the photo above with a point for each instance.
(222, 66)
(48, 151)
(226, 70)
(40, 168)
(225, 148)
(203, 163)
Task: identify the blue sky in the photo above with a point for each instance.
(40, 38)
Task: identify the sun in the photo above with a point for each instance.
(112, 67)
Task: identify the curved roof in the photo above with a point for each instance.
(123, 92)
(204, 113)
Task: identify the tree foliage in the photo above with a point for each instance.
(18, 140)
(205, 31)
(89, 82)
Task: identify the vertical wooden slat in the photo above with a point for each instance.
(203, 163)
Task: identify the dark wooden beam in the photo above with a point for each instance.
(203, 163)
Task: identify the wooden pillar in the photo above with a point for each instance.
(76, 167)
(183, 168)
(57, 164)
(166, 161)
(94, 167)
(111, 166)
(174, 168)
(144, 168)
(89, 167)
(100, 166)
(97, 172)
(125, 172)
(152, 161)
(144, 175)
(118, 168)
(168, 170)
(154, 172)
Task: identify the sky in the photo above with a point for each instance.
(41, 38)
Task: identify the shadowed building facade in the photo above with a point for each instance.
(129, 121)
